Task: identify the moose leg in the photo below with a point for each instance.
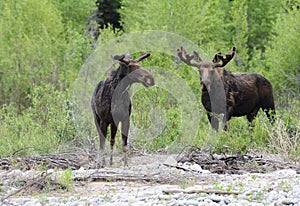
(125, 129)
(227, 117)
(270, 112)
(251, 116)
(102, 136)
(113, 130)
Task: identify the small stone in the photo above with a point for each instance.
(224, 202)
(192, 202)
(243, 203)
(289, 201)
(139, 203)
(164, 197)
(205, 172)
(216, 198)
(181, 202)
(196, 167)
(50, 171)
(15, 173)
(132, 200)
(75, 203)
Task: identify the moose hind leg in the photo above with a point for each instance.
(102, 136)
(251, 116)
(99, 126)
(113, 130)
(270, 112)
(125, 129)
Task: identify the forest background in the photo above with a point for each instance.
(44, 44)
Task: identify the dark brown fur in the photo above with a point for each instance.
(111, 103)
(242, 93)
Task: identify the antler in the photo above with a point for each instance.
(186, 58)
(219, 57)
(143, 56)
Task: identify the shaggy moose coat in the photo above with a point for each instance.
(233, 94)
(111, 103)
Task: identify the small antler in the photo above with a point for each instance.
(219, 57)
(197, 57)
(216, 59)
(142, 56)
(186, 58)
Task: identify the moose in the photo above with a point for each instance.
(233, 94)
(111, 102)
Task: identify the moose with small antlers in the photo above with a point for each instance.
(111, 102)
(233, 94)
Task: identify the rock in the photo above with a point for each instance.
(139, 203)
(243, 203)
(196, 168)
(132, 200)
(216, 198)
(164, 197)
(181, 202)
(171, 161)
(15, 173)
(192, 202)
(289, 201)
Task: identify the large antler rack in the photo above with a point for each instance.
(186, 58)
(219, 57)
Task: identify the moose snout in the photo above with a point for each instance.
(149, 81)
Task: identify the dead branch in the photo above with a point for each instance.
(58, 161)
(31, 183)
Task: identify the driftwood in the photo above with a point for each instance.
(112, 175)
(58, 161)
(230, 164)
(233, 164)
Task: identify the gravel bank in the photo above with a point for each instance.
(189, 186)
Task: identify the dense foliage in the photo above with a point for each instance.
(45, 43)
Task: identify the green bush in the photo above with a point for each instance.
(45, 127)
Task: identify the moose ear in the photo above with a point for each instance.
(120, 59)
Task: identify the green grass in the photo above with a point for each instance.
(157, 122)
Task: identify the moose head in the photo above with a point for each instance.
(208, 69)
(133, 70)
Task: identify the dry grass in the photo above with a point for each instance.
(283, 141)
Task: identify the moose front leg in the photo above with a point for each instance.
(113, 130)
(227, 117)
(125, 129)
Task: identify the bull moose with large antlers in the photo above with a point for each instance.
(233, 94)
(111, 103)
